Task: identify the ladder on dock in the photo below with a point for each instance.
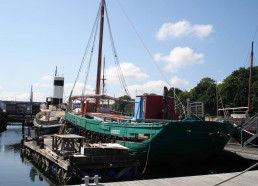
(249, 130)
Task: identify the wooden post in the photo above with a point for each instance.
(250, 80)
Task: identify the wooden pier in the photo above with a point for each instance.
(46, 156)
(228, 179)
(67, 157)
(247, 177)
(247, 152)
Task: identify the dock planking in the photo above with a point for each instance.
(238, 179)
(248, 177)
(248, 152)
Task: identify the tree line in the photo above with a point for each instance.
(232, 92)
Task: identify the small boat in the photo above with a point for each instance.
(154, 133)
(51, 116)
(49, 121)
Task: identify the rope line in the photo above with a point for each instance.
(148, 51)
(237, 174)
(148, 154)
(90, 60)
(119, 70)
(144, 45)
(85, 54)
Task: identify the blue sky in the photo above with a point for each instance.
(187, 40)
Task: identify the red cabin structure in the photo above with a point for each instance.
(155, 107)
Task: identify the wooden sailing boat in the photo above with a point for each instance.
(154, 134)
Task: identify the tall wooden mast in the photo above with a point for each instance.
(103, 78)
(250, 79)
(97, 90)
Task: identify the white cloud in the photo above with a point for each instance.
(45, 82)
(178, 82)
(42, 85)
(78, 89)
(179, 57)
(149, 87)
(47, 78)
(14, 96)
(39, 96)
(129, 71)
(183, 28)
(202, 31)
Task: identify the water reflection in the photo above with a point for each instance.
(16, 148)
(10, 139)
(35, 172)
(14, 170)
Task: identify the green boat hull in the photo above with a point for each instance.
(183, 141)
(178, 140)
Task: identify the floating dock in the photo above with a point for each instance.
(247, 177)
(53, 154)
(228, 179)
(247, 152)
(69, 158)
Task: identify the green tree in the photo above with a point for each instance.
(205, 92)
(234, 89)
(233, 92)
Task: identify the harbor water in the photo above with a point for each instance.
(16, 169)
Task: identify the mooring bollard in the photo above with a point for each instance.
(96, 179)
(87, 180)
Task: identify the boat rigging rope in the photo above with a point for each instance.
(255, 32)
(147, 159)
(146, 48)
(148, 154)
(237, 174)
(92, 49)
(144, 45)
(85, 54)
(119, 70)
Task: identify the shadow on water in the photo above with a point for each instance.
(224, 162)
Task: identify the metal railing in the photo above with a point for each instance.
(249, 130)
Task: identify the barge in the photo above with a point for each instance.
(69, 158)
